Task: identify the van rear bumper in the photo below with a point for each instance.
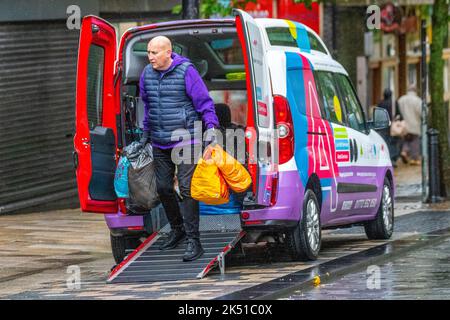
(123, 221)
(287, 209)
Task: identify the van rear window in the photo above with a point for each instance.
(228, 50)
(141, 47)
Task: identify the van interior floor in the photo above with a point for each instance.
(219, 234)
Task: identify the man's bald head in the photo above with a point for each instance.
(162, 42)
(159, 50)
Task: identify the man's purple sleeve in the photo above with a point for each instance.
(197, 91)
(144, 100)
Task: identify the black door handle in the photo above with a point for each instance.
(352, 150)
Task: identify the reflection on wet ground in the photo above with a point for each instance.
(420, 274)
(262, 263)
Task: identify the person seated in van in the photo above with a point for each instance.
(236, 133)
(175, 97)
(223, 113)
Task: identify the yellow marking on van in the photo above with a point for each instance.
(292, 29)
(337, 108)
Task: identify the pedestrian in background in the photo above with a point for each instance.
(393, 142)
(410, 106)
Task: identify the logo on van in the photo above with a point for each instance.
(262, 109)
(342, 144)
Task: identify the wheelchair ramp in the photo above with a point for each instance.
(218, 235)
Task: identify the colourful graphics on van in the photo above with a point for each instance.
(315, 152)
(337, 108)
(262, 106)
(342, 144)
(298, 32)
(312, 130)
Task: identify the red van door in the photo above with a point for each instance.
(95, 140)
(260, 134)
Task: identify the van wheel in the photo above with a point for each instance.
(382, 226)
(120, 245)
(303, 242)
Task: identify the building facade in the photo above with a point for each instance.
(38, 60)
(38, 72)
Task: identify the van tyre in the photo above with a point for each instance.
(304, 241)
(120, 244)
(382, 226)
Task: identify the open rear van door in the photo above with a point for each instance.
(262, 160)
(95, 140)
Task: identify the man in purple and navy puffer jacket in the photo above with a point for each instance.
(175, 97)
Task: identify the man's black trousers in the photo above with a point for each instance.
(185, 212)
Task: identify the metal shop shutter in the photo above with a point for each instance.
(37, 114)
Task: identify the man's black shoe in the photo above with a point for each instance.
(173, 239)
(193, 251)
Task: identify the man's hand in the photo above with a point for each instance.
(210, 137)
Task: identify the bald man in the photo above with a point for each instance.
(175, 96)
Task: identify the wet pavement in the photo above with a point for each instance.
(422, 274)
(261, 266)
(408, 191)
(37, 248)
(327, 270)
(37, 251)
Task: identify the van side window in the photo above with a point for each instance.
(328, 97)
(281, 36)
(315, 43)
(355, 115)
(95, 85)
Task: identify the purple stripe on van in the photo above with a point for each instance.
(291, 191)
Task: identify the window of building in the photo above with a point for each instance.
(388, 77)
(412, 74)
(413, 43)
(374, 44)
(389, 42)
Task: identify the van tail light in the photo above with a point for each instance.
(252, 165)
(273, 196)
(283, 122)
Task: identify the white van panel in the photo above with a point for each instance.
(277, 67)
